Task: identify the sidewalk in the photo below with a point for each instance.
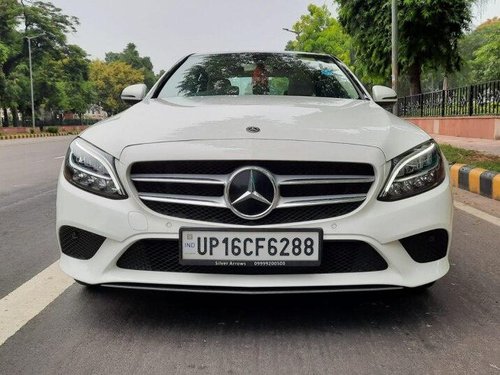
(486, 146)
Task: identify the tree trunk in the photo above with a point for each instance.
(445, 82)
(414, 73)
(15, 119)
(5, 117)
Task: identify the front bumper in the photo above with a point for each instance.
(380, 224)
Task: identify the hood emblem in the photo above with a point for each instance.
(251, 193)
(253, 129)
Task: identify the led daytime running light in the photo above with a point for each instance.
(402, 164)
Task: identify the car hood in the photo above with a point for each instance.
(356, 122)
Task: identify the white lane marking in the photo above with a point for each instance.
(478, 213)
(23, 304)
(59, 157)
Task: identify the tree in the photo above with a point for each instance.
(79, 90)
(20, 19)
(131, 56)
(481, 50)
(319, 32)
(109, 80)
(429, 32)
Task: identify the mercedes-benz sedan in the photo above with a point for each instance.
(255, 173)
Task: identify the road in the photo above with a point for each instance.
(452, 329)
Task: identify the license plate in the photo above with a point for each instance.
(250, 247)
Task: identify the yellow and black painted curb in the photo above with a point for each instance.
(35, 135)
(476, 180)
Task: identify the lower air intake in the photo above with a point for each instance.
(79, 243)
(427, 246)
(338, 256)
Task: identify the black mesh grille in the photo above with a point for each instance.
(427, 246)
(338, 256)
(179, 188)
(278, 216)
(79, 243)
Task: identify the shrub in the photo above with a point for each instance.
(52, 129)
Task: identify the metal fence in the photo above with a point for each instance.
(476, 100)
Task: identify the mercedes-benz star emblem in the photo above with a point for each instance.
(253, 129)
(251, 192)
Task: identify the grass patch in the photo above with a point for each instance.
(470, 157)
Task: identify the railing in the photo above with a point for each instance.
(476, 100)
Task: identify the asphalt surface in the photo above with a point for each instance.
(454, 328)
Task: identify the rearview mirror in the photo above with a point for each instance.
(134, 93)
(384, 96)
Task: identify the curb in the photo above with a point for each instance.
(36, 135)
(476, 180)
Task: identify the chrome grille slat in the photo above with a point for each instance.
(319, 200)
(181, 178)
(184, 199)
(322, 179)
(280, 179)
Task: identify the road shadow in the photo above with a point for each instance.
(210, 313)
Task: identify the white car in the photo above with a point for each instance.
(255, 173)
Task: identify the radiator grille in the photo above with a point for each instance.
(307, 190)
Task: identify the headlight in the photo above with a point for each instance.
(414, 172)
(92, 170)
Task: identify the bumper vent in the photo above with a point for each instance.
(338, 256)
(427, 246)
(79, 243)
(308, 190)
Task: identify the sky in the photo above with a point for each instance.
(167, 30)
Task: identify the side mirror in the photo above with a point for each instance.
(134, 93)
(384, 96)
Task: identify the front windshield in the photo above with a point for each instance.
(259, 74)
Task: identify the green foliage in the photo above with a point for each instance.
(479, 50)
(109, 80)
(22, 19)
(4, 53)
(130, 55)
(79, 91)
(319, 32)
(52, 129)
(483, 49)
(158, 76)
(278, 85)
(429, 32)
